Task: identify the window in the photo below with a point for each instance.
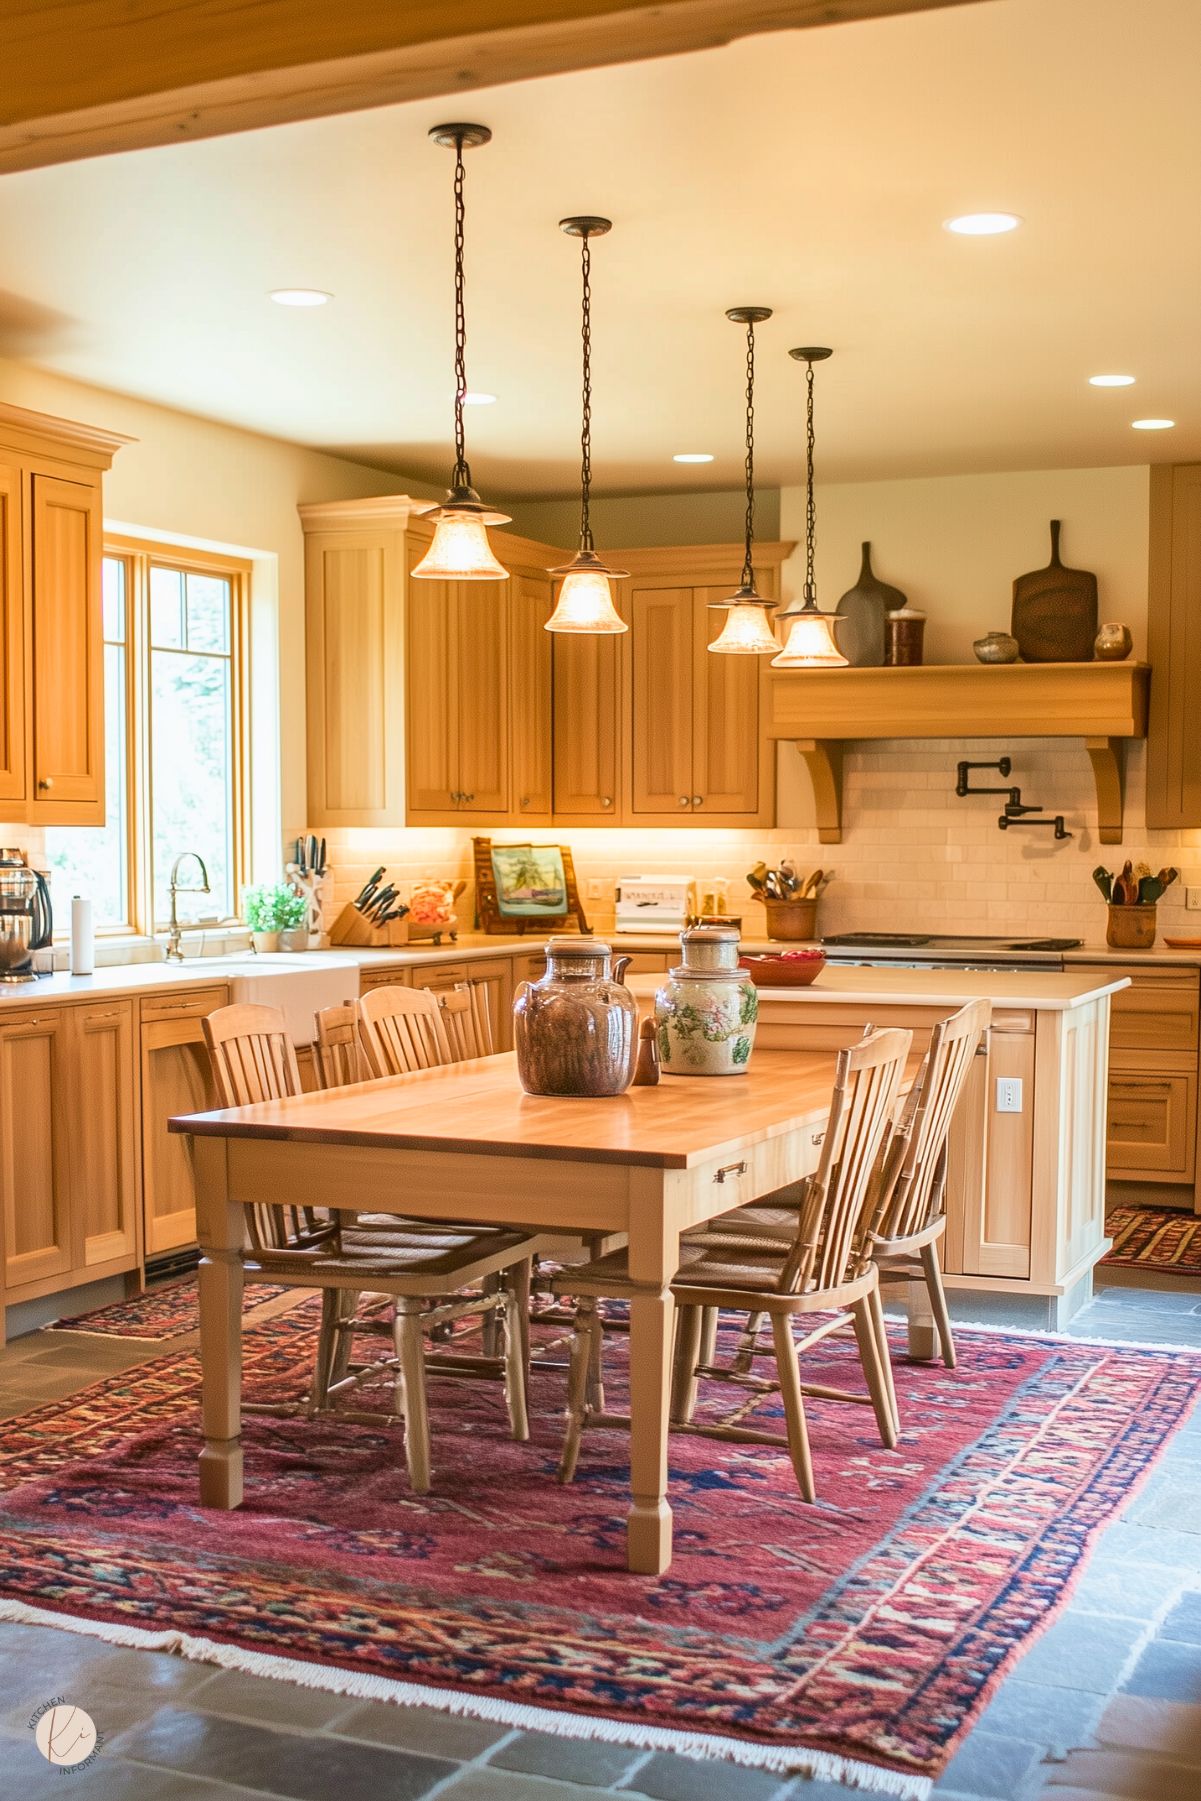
(174, 667)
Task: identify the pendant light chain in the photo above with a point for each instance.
(810, 508)
(586, 416)
(748, 572)
(462, 474)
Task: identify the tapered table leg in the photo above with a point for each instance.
(653, 1257)
(220, 1231)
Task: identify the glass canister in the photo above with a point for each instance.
(18, 886)
(575, 1029)
(706, 1010)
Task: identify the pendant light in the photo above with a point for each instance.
(585, 602)
(746, 631)
(811, 643)
(460, 550)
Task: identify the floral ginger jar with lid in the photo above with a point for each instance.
(706, 1010)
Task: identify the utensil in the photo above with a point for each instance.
(321, 863)
(1054, 615)
(1104, 880)
(368, 889)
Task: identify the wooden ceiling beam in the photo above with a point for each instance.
(91, 77)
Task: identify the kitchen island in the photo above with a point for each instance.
(1026, 1184)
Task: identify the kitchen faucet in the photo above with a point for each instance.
(176, 887)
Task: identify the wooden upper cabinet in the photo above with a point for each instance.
(12, 638)
(68, 653)
(531, 648)
(479, 697)
(353, 613)
(1174, 648)
(661, 700)
(587, 729)
(731, 754)
(431, 716)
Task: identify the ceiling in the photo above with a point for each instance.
(809, 171)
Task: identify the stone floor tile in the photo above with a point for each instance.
(1082, 1650)
(1053, 1718)
(1173, 1500)
(579, 1760)
(424, 1729)
(158, 1674)
(1184, 1621)
(1168, 1729)
(989, 1765)
(29, 1777)
(300, 1766)
(1158, 1300)
(1132, 1775)
(1167, 1671)
(807, 1788)
(275, 1703)
(668, 1778)
(1130, 1542)
(1135, 1591)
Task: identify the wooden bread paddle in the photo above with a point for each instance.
(1055, 611)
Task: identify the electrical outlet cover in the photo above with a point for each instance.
(1192, 900)
(1009, 1094)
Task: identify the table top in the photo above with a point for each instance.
(479, 1107)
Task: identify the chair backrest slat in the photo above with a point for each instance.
(911, 1192)
(401, 1030)
(467, 1020)
(827, 1249)
(337, 1057)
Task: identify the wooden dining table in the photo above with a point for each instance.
(464, 1142)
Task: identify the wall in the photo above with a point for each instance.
(913, 854)
(214, 486)
(634, 521)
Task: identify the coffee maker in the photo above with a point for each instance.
(26, 919)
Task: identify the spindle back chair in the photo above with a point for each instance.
(337, 1053)
(401, 1030)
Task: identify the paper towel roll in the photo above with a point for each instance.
(83, 940)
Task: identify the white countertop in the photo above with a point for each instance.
(1050, 991)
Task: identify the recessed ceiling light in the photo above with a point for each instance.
(1111, 381)
(478, 398)
(692, 456)
(300, 296)
(1153, 424)
(982, 225)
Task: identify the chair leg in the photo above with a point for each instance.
(327, 1348)
(516, 1307)
(794, 1404)
(877, 1303)
(410, 1353)
(585, 1328)
(932, 1271)
(744, 1356)
(490, 1331)
(689, 1329)
(349, 1299)
(708, 1344)
(869, 1356)
(596, 1366)
(521, 1278)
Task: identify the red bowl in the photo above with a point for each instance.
(784, 969)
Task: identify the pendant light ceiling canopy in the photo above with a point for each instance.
(811, 643)
(585, 602)
(460, 550)
(747, 631)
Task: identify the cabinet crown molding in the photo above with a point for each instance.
(353, 515)
(43, 433)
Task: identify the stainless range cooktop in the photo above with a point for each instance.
(926, 948)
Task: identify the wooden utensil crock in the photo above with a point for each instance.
(791, 920)
(1130, 928)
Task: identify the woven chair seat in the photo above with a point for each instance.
(755, 1269)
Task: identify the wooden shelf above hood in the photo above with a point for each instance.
(819, 710)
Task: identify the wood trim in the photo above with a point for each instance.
(1174, 646)
(92, 77)
(43, 434)
(700, 564)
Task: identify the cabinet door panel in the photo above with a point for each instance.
(587, 760)
(68, 652)
(480, 689)
(353, 620)
(726, 748)
(12, 639)
(431, 721)
(991, 1166)
(661, 653)
(104, 1184)
(1149, 1131)
(175, 1079)
(530, 704)
(35, 1182)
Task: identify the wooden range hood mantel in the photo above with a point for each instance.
(820, 710)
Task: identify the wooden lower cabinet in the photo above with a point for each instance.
(175, 1079)
(1151, 1130)
(69, 1177)
(497, 975)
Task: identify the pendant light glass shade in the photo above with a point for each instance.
(811, 643)
(585, 603)
(460, 551)
(746, 632)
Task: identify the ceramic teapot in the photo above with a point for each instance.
(706, 1010)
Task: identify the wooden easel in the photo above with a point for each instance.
(489, 917)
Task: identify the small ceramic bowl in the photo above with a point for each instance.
(784, 969)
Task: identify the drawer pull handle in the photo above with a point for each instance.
(730, 1169)
(45, 783)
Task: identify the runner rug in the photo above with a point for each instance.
(855, 1639)
(166, 1311)
(1154, 1238)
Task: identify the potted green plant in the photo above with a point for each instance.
(270, 910)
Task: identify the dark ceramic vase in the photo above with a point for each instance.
(863, 610)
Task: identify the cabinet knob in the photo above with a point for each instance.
(525, 800)
(606, 800)
(44, 782)
(467, 797)
(698, 800)
(684, 801)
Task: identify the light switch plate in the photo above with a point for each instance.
(596, 888)
(1192, 900)
(1009, 1094)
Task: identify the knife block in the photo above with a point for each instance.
(351, 928)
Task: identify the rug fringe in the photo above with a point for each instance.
(787, 1760)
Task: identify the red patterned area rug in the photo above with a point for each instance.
(166, 1311)
(1154, 1238)
(855, 1639)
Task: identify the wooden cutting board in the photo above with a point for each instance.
(1055, 611)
